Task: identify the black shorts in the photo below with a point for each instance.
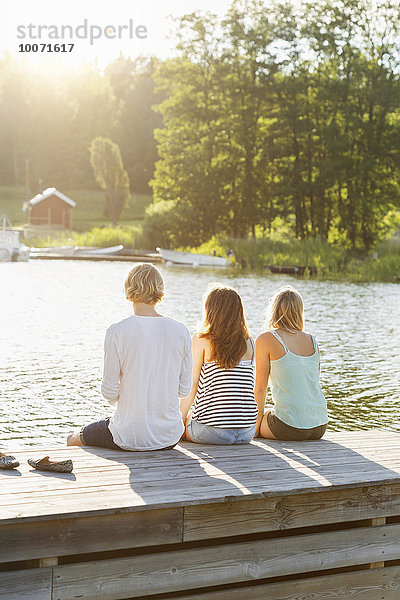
(99, 434)
(285, 432)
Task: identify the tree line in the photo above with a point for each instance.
(274, 113)
(281, 111)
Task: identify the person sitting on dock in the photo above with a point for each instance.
(290, 358)
(224, 409)
(147, 367)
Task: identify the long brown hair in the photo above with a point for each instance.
(225, 325)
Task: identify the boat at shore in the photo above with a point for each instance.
(77, 250)
(191, 259)
(67, 250)
(11, 249)
(101, 251)
(292, 269)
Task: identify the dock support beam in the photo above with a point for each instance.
(374, 523)
(50, 561)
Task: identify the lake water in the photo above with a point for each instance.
(54, 315)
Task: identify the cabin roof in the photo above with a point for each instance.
(50, 192)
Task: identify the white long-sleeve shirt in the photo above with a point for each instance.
(147, 367)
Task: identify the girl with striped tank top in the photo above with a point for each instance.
(222, 395)
(289, 358)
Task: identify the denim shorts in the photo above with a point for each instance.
(207, 434)
(99, 434)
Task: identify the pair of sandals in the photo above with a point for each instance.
(43, 464)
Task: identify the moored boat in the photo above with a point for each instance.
(192, 259)
(76, 250)
(292, 269)
(287, 269)
(67, 250)
(101, 251)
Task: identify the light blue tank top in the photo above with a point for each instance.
(296, 390)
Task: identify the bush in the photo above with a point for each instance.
(168, 223)
(332, 261)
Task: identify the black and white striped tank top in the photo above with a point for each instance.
(225, 397)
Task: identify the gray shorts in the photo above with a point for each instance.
(99, 434)
(207, 434)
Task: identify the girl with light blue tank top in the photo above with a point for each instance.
(296, 390)
(299, 409)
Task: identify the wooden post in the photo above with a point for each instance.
(49, 561)
(374, 523)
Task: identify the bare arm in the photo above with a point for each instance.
(262, 375)
(198, 359)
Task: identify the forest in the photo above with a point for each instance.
(278, 115)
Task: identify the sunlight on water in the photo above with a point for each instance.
(54, 315)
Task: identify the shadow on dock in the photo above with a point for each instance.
(209, 473)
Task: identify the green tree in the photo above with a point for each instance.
(250, 64)
(105, 158)
(193, 175)
(132, 82)
(358, 65)
(214, 118)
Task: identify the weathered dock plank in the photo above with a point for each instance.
(30, 584)
(382, 584)
(61, 537)
(218, 520)
(108, 481)
(224, 564)
(90, 470)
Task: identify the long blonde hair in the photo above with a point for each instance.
(285, 310)
(224, 325)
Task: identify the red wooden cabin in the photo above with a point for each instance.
(50, 208)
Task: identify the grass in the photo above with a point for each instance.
(89, 209)
(130, 236)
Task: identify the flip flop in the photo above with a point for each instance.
(57, 466)
(8, 462)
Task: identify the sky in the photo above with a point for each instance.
(152, 14)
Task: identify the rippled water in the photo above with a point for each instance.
(54, 315)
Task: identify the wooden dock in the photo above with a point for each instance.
(150, 258)
(267, 521)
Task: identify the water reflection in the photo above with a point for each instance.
(54, 315)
